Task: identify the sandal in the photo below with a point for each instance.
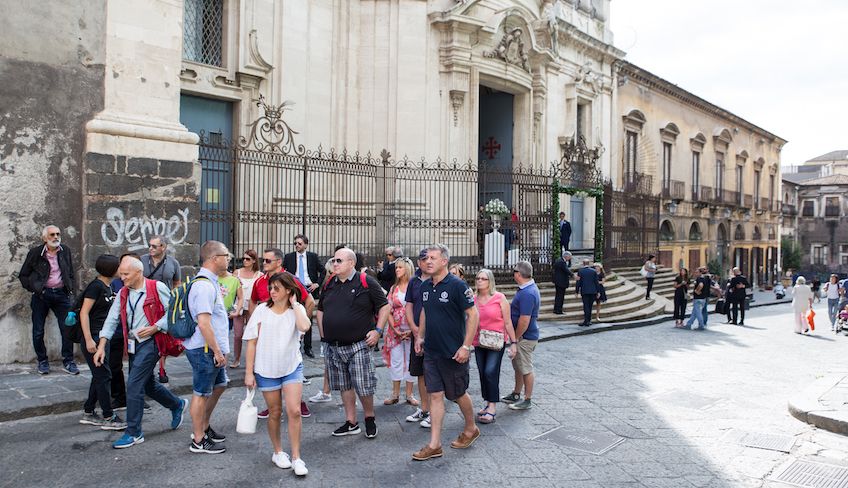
(412, 401)
(486, 418)
(235, 365)
(483, 410)
(391, 401)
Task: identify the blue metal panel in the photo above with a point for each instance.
(495, 144)
(577, 205)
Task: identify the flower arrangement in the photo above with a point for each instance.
(496, 207)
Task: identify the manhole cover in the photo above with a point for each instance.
(814, 475)
(772, 442)
(591, 442)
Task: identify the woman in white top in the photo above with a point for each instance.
(247, 274)
(274, 363)
(398, 338)
(802, 300)
(831, 291)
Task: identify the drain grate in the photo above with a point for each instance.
(591, 442)
(772, 442)
(810, 474)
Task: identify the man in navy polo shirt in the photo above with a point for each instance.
(524, 311)
(446, 330)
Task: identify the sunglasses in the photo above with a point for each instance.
(247, 258)
(337, 260)
(269, 261)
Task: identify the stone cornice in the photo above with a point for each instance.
(650, 80)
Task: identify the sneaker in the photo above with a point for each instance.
(116, 405)
(92, 418)
(113, 423)
(522, 405)
(426, 422)
(464, 441)
(511, 398)
(263, 414)
(307, 381)
(299, 467)
(370, 427)
(178, 413)
(304, 410)
(427, 452)
(71, 368)
(147, 408)
(163, 378)
(206, 446)
(44, 367)
(309, 353)
(418, 416)
(214, 436)
(127, 440)
(347, 429)
(282, 460)
(321, 397)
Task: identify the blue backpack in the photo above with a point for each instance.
(181, 325)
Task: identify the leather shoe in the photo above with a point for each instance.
(463, 441)
(309, 353)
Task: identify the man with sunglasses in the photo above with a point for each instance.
(308, 269)
(272, 263)
(159, 266)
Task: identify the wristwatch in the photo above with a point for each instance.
(468, 348)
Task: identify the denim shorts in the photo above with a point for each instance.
(272, 384)
(204, 374)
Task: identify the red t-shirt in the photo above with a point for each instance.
(260, 293)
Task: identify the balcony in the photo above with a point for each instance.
(748, 201)
(763, 204)
(702, 195)
(639, 183)
(673, 190)
(831, 211)
(788, 210)
(725, 197)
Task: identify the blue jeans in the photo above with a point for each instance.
(140, 383)
(699, 309)
(60, 303)
(832, 309)
(489, 367)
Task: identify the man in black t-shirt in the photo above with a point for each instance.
(736, 289)
(346, 318)
(700, 294)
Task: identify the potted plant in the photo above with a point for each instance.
(496, 209)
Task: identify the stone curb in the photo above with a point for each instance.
(805, 406)
(237, 380)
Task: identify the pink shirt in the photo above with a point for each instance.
(54, 279)
(491, 316)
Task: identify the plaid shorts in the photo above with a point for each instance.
(351, 367)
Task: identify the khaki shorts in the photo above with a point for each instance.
(523, 360)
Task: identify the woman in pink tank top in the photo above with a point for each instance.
(494, 315)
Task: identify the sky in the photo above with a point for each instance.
(781, 65)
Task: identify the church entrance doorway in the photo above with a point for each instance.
(495, 148)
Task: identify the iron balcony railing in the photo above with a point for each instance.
(788, 209)
(706, 194)
(674, 190)
(638, 183)
(748, 201)
(831, 211)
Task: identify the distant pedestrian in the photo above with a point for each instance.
(48, 273)
(802, 303)
(458, 270)
(274, 364)
(397, 339)
(816, 289)
(447, 326)
(140, 312)
(562, 276)
(208, 347)
(386, 270)
(160, 266)
(564, 232)
(831, 291)
(493, 308)
(700, 294)
(97, 300)
(524, 311)
(681, 288)
(346, 316)
(737, 288)
(649, 271)
(247, 275)
(588, 289)
(602, 290)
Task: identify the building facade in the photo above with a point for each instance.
(821, 231)
(716, 174)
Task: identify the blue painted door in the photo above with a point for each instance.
(214, 120)
(494, 151)
(577, 223)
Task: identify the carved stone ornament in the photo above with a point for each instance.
(586, 75)
(456, 98)
(511, 49)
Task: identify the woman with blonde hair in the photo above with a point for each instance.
(802, 301)
(457, 270)
(493, 308)
(398, 338)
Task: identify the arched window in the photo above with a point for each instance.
(695, 232)
(758, 235)
(739, 233)
(771, 235)
(666, 231)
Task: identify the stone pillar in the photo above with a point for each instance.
(141, 175)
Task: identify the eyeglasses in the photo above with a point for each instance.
(154, 246)
(225, 255)
(482, 278)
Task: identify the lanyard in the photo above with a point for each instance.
(132, 310)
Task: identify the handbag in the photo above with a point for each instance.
(246, 422)
(811, 319)
(643, 272)
(490, 339)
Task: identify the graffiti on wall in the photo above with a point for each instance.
(134, 232)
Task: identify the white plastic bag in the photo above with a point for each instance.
(246, 423)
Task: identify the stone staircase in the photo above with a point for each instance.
(663, 280)
(625, 301)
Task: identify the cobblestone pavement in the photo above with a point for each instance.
(680, 399)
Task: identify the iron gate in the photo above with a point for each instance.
(631, 223)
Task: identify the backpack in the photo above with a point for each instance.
(153, 311)
(180, 322)
(362, 280)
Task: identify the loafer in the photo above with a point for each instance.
(427, 452)
(464, 441)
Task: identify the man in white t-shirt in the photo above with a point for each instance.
(207, 349)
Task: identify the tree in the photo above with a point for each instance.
(790, 254)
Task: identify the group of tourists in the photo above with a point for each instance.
(428, 317)
(804, 295)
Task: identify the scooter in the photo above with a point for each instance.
(779, 291)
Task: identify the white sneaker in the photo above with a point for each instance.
(282, 460)
(418, 416)
(299, 467)
(425, 423)
(320, 397)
